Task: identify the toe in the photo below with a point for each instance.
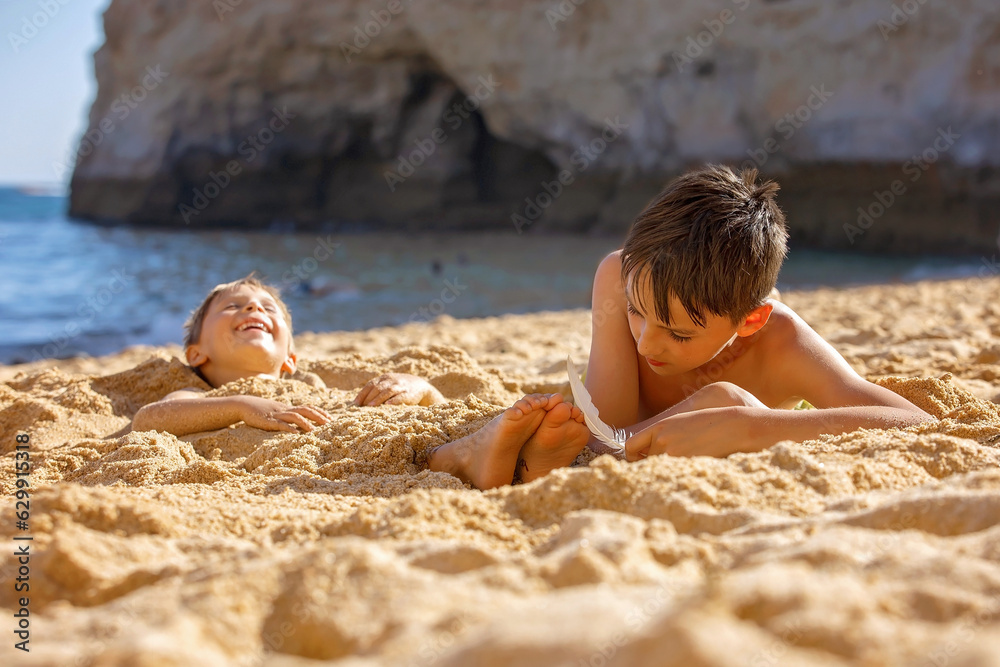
(553, 400)
(559, 415)
(538, 400)
(524, 405)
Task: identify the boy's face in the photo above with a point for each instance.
(245, 333)
(681, 346)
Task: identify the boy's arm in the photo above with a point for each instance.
(724, 431)
(802, 365)
(190, 411)
(613, 371)
(806, 366)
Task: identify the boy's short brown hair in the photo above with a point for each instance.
(714, 239)
(192, 328)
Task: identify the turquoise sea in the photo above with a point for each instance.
(71, 288)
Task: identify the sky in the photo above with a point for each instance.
(46, 83)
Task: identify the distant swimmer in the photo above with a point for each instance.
(319, 287)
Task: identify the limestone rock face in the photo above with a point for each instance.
(879, 121)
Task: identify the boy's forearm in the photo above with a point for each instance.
(728, 430)
(181, 417)
(761, 428)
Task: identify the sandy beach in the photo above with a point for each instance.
(245, 547)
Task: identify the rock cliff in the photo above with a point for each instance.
(879, 120)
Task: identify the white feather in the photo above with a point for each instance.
(614, 438)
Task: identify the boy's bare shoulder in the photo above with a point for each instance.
(784, 330)
(783, 319)
(608, 278)
(788, 337)
(610, 267)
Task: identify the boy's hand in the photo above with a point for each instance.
(707, 432)
(271, 415)
(399, 389)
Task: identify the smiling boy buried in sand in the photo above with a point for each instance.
(241, 330)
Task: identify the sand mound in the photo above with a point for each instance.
(243, 547)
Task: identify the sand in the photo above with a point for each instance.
(243, 547)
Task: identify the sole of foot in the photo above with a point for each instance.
(560, 437)
(487, 458)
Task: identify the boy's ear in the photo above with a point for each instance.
(195, 357)
(755, 320)
(290, 364)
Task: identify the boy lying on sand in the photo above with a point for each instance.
(243, 329)
(687, 351)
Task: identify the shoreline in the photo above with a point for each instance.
(331, 282)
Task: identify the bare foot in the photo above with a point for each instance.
(487, 457)
(558, 440)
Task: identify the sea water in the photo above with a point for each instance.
(70, 288)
